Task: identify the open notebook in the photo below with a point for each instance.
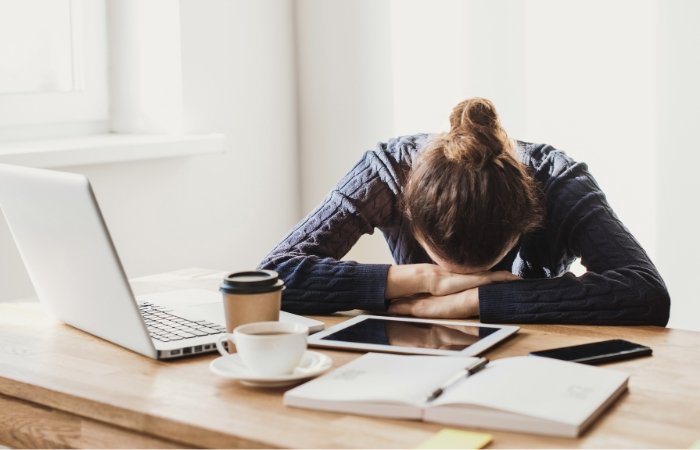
(527, 393)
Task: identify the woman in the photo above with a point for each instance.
(479, 225)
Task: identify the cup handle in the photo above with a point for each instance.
(220, 344)
(314, 365)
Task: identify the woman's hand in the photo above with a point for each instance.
(410, 279)
(459, 305)
(428, 290)
(442, 282)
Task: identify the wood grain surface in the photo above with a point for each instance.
(61, 387)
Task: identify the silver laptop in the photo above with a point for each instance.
(76, 272)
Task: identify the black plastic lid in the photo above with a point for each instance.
(252, 282)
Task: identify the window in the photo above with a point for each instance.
(93, 82)
(53, 69)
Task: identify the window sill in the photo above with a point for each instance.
(107, 148)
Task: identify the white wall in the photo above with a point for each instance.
(678, 156)
(345, 99)
(591, 90)
(221, 211)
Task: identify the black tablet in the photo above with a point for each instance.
(411, 335)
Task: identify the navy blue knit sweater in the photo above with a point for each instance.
(621, 285)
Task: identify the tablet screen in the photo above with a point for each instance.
(411, 334)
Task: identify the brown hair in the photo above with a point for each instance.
(468, 196)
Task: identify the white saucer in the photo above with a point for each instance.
(312, 364)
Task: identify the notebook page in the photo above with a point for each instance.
(538, 387)
(379, 377)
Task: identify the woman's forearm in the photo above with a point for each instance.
(410, 279)
(407, 279)
(460, 305)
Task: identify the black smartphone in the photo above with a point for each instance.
(597, 352)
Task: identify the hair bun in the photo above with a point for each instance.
(474, 114)
(476, 135)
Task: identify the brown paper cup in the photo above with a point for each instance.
(251, 296)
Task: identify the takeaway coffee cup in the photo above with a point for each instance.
(268, 348)
(251, 296)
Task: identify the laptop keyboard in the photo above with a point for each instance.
(166, 327)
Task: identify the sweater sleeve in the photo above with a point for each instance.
(308, 258)
(621, 285)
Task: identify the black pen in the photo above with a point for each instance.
(470, 370)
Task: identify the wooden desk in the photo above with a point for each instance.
(60, 387)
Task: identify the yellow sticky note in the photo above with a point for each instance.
(449, 438)
(696, 444)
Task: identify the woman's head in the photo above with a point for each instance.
(468, 198)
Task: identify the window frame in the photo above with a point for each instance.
(88, 102)
(142, 116)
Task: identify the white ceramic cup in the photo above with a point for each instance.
(268, 348)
